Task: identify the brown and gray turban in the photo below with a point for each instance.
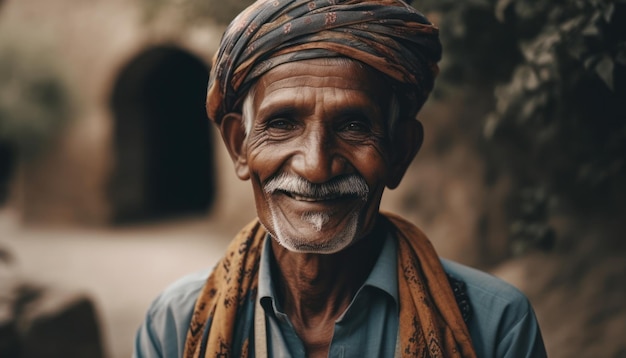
(388, 35)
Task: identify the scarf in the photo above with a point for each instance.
(430, 324)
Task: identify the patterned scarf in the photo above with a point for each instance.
(431, 324)
(388, 35)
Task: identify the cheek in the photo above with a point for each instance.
(260, 200)
(371, 163)
(263, 156)
(265, 161)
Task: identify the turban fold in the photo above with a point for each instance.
(388, 35)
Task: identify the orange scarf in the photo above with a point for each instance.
(431, 324)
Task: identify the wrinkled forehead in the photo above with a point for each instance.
(325, 74)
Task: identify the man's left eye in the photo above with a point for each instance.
(356, 126)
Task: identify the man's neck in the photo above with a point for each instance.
(315, 289)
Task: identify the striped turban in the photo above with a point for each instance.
(388, 35)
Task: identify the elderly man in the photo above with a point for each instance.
(316, 102)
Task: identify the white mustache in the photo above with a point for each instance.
(346, 185)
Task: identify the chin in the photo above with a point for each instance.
(313, 238)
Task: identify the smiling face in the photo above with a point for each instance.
(318, 152)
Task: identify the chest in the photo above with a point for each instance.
(368, 328)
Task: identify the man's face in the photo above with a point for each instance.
(318, 153)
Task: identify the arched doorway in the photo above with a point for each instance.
(7, 164)
(162, 140)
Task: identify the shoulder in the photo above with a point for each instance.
(502, 322)
(181, 294)
(484, 286)
(164, 330)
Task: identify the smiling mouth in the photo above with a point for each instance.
(309, 198)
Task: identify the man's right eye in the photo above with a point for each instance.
(280, 123)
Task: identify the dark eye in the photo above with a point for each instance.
(356, 126)
(280, 123)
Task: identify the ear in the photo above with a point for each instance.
(234, 136)
(405, 143)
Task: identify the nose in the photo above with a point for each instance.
(319, 159)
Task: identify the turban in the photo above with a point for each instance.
(388, 35)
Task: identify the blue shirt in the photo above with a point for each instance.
(367, 328)
(502, 324)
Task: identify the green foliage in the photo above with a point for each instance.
(564, 106)
(558, 126)
(34, 99)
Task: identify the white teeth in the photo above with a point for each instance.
(309, 198)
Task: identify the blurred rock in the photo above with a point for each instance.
(9, 342)
(38, 321)
(57, 323)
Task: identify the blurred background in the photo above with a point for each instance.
(113, 183)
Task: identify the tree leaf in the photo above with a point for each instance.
(604, 69)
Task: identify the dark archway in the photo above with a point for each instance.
(7, 164)
(162, 140)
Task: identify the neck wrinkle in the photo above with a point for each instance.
(314, 288)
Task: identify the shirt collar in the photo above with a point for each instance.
(383, 276)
